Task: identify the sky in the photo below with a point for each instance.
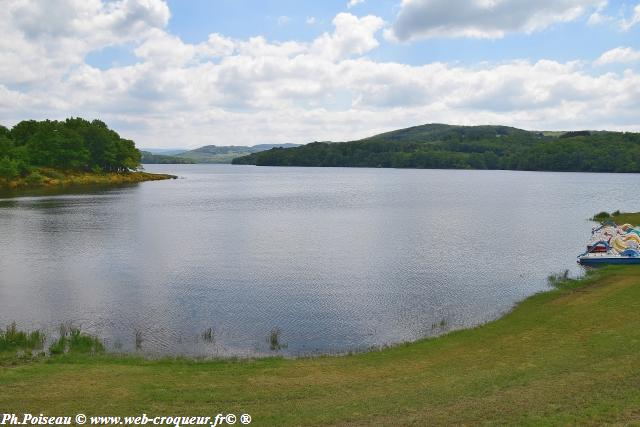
(187, 73)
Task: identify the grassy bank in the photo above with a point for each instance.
(562, 357)
(53, 178)
(618, 217)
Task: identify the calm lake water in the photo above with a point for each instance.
(336, 259)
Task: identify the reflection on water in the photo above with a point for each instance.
(333, 259)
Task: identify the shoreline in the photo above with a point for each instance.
(567, 355)
(558, 286)
(48, 178)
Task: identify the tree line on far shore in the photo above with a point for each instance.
(74, 144)
(468, 147)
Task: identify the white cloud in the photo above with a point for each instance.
(483, 18)
(43, 38)
(353, 3)
(247, 91)
(623, 55)
(627, 24)
(165, 49)
(352, 36)
(598, 17)
(216, 45)
(311, 20)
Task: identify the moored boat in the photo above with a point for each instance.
(608, 258)
(611, 244)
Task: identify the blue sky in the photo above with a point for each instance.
(194, 20)
(193, 72)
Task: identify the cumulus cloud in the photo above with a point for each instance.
(246, 91)
(352, 36)
(353, 3)
(216, 45)
(482, 18)
(622, 55)
(44, 38)
(164, 48)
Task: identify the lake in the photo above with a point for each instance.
(334, 259)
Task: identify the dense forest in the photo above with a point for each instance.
(438, 146)
(71, 145)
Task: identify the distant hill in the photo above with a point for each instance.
(150, 159)
(435, 132)
(164, 151)
(225, 154)
(441, 146)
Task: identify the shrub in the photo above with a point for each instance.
(54, 174)
(9, 169)
(34, 178)
(601, 217)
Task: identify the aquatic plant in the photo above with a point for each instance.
(11, 338)
(208, 335)
(556, 280)
(274, 339)
(442, 324)
(73, 340)
(138, 340)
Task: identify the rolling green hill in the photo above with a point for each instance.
(151, 159)
(438, 132)
(225, 154)
(440, 146)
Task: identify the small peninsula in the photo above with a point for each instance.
(70, 152)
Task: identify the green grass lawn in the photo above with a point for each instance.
(632, 218)
(568, 356)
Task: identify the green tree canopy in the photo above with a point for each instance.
(474, 147)
(73, 144)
